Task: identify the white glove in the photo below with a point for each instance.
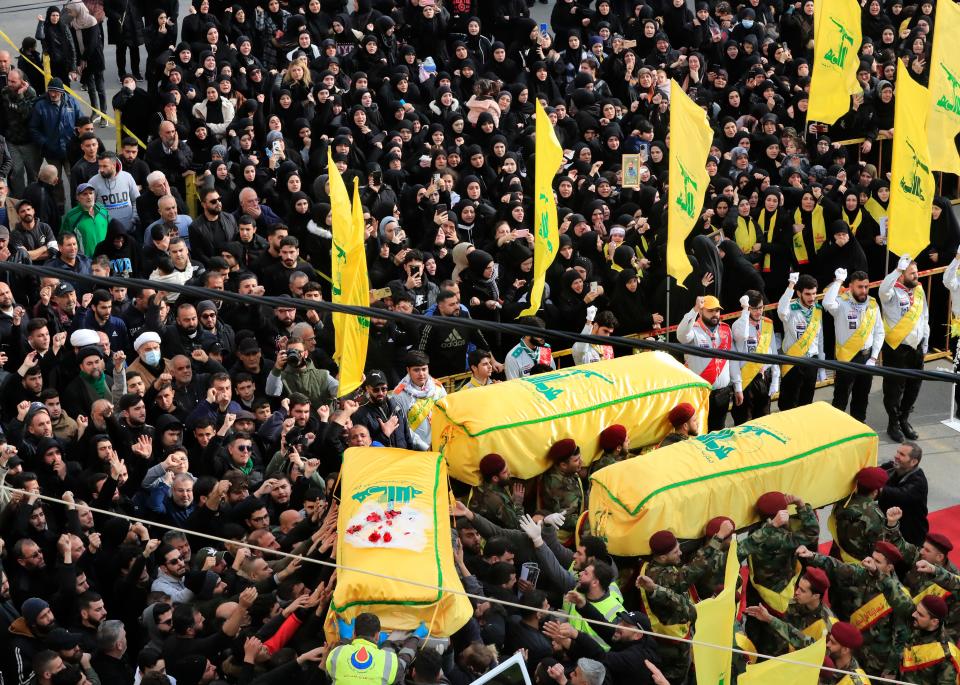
(744, 302)
(793, 278)
(840, 275)
(904, 262)
(591, 313)
(52, 245)
(821, 375)
(773, 390)
(556, 520)
(532, 529)
(871, 362)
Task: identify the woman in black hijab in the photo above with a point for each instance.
(58, 44)
(627, 303)
(739, 275)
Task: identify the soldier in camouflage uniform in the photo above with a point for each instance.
(685, 423)
(883, 605)
(560, 488)
(934, 551)
(769, 550)
(930, 658)
(842, 642)
(807, 618)
(857, 523)
(615, 446)
(495, 498)
(714, 578)
(667, 570)
(675, 608)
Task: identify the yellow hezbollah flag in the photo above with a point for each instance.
(394, 521)
(943, 123)
(715, 619)
(807, 672)
(911, 181)
(349, 278)
(689, 148)
(549, 157)
(836, 41)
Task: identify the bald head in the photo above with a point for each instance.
(48, 174)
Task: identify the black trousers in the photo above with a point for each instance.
(797, 387)
(858, 385)
(718, 407)
(900, 394)
(756, 400)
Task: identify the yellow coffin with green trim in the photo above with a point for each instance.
(813, 452)
(522, 418)
(394, 520)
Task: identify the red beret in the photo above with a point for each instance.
(680, 414)
(847, 635)
(563, 449)
(662, 541)
(491, 465)
(770, 503)
(819, 582)
(889, 551)
(872, 478)
(713, 525)
(935, 605)
(941, 542)
(612, 437)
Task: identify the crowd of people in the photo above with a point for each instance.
(219, 426)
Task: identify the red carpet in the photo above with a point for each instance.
(946, 522)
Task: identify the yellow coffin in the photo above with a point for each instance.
(394, 520)
(813, 452)
(522, 418)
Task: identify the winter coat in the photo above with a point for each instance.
(52, 125)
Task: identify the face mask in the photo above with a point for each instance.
(152, 358)
(747, 23)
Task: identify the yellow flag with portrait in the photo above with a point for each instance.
(546, 241)
(911, 180)
(690, 140)
(943, 123)
(349, 281)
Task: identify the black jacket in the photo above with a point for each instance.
(909, 492)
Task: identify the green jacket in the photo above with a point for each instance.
(90, 230)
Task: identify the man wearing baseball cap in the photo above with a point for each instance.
(701, 327)
(88, 219)
(382, 415)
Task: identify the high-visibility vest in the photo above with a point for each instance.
(610, 606)
(362, 663)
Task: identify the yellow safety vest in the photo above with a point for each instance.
(777, 601)
(362, 663)
(610, 606)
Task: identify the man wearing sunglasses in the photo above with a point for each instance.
(212, 228)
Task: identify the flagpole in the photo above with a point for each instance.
(667, 327)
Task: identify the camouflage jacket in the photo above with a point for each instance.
(564, 494)
(604, 460)
(671, 608)
(883, 641)
(680, 577)
(788, 631)
(772, 550)
(495, 503)
(860, 524)
(918, 582)
(943, 672)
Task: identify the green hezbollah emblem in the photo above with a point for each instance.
(913, 185)
(542, 381)
(342, 261)
(716, 443)
(544, 229)
(388, 494)
(845, 42)
(950, 103)
(685, 198)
